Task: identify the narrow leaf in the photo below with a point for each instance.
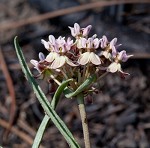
(46, 119)
(43, 100)
(68, 93)
(59, 92)
(40, 132)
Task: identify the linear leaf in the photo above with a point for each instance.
(46, 119)
(68, 93)
(59, 92)
(43, 100)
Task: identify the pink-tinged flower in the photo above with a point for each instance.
(56, 60)
(57, 45)
(52, 40)
(89, 57)
(63, 46)
(60, 61)
(57, 57)
(89, 44)
(42, 66)
(46, 44)
(122, 56)
(37, 63)
(108, 47)
(85, 31)
(104, 42)
(50, 45)
(118, 57)
(81, 32)
(69, 44)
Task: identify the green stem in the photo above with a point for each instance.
(83, 115)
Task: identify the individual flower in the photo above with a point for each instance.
(49, 45)
(89, 45)
(42, 66)
(118, 57)
(37, 63)
(109, 48)
(61, 60)
(58, 55)
(76, 31)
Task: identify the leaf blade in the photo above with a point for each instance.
(43, 100)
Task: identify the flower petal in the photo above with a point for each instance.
(58, 62)
(83, 42)
(77, 28)
(95, 59)
(52, 39)
(103, 41)
(72, 31)
(84, 58)
(34, 62)
(36, 65)
(51, 56)
(106, 54)
(86, 30)
(90, 43)
(69, 62)
(41, 56)
(46, 44)
(96, 42)
(114, 67)
(123, 73)
(113, 42)
(123, 56)
(114, 51)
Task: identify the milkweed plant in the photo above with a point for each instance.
(74, 65)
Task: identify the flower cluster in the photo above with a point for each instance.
(80, 57)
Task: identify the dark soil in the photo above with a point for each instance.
(118, 116)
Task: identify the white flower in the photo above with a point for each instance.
(58, 60)
(118, 57)
(61, 61)
(51, 56)
(109, 47)
(89, 57)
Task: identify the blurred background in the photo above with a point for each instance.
(119, 115)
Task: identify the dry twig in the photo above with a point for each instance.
(20, 23)
(16, 131)
(11, 92)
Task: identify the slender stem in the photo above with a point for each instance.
(103, 75)
(59, 83)
(87, 71)
(83, 115)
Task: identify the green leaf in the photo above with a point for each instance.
(59, 92)
(68, 93)
(43, 100)
(40, 132)
(46, 119)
